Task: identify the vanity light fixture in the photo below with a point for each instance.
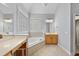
(8, 20)
(49, 21)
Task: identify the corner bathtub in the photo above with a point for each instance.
(34, 40)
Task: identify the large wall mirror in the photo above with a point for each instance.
(13, 19)
(8, 24)
(6, 17)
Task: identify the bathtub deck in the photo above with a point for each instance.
(50, 50)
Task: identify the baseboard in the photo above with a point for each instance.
(64, 49)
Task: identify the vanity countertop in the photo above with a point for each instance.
(6, 45)
(51, 33)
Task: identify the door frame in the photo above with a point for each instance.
(73, 42)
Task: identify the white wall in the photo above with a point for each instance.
(42, 9)
(62, 23)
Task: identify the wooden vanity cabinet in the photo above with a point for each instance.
(51, 39)
(22, 51)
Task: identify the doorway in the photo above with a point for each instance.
(77, 36)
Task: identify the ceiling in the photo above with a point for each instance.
(33, 8)
(40, 8)
(7, 7)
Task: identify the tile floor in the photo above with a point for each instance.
(50, 50)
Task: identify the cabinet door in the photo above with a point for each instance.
(54, 40)
(22, 51)
(48, 40)
(51, 38)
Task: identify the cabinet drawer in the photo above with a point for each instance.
(49, 36)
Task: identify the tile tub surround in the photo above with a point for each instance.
(35, 48)
(50, 50)
(7, 45)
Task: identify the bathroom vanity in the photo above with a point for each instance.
(17, 46)
(51, 38)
